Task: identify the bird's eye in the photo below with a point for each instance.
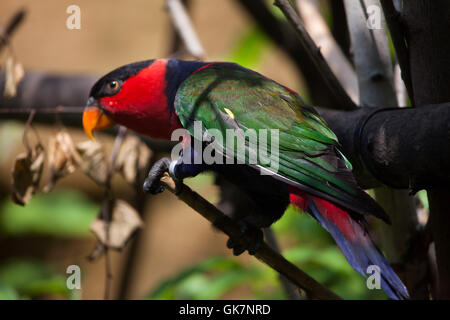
(113, 86)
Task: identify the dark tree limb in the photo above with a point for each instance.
(393, 19)
(401, 147)
(426, 24)
(339, 27)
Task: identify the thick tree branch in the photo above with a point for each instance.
(402, 147)
(426, 24)
(265, 253)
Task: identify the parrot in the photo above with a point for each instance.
(156, 97)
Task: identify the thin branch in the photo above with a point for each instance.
(318, 29)
(265, 253)
(132, 258)
(14, 22)
(183, 25)
(177, 48)
(393, 19)
(105, 214)
(314, 53)
(107, 208)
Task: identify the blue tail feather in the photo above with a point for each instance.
(361, 252)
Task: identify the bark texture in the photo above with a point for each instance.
(427, 24)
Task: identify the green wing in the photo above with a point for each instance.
(227, 96)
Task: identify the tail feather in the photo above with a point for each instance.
(354, 241)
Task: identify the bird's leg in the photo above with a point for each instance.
(177, 169)
(250, 238)
(152, 183)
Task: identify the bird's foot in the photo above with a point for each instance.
(250, 238)
(152, 183)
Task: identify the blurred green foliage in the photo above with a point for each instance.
(250, 48)
(26, 279)
(59, 213)
(208, 279)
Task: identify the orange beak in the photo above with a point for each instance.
(95, 119)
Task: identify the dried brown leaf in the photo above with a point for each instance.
(26, 174)
(124, 222)
(93, 161)
(133, 159)
(63, 158)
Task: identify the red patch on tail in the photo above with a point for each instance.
(328, 210)
(297, 198)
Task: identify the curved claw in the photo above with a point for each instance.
(152, 183)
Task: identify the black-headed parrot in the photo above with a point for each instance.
(157, 97)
